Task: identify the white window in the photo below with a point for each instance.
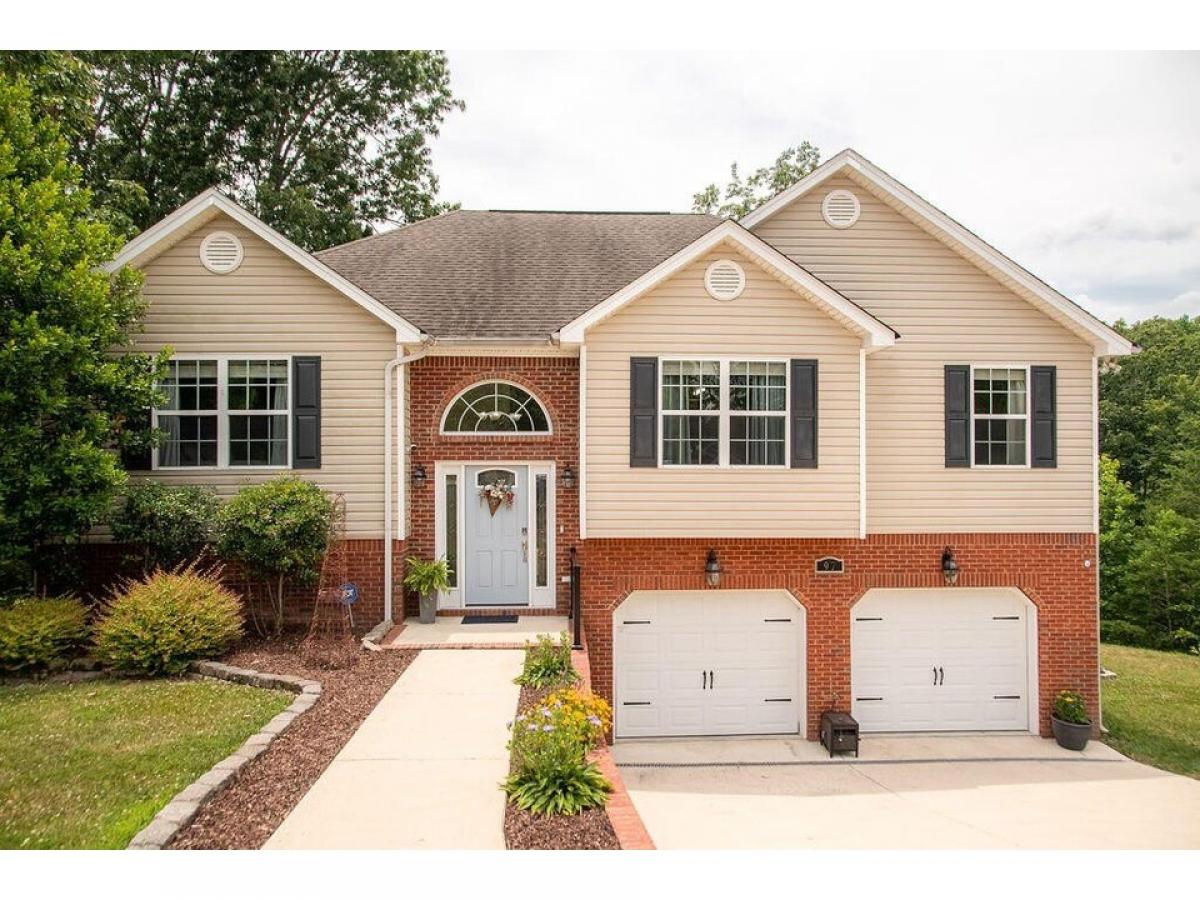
(723, 412)
(1001, 416)
(222, 413)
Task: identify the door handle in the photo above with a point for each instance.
(935, 676)
(941, 675)
(703, 680)
(524, 545)
(712, 682)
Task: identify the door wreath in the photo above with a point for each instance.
(496, 493)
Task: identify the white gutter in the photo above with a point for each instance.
(393, 367)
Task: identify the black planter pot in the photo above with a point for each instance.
(1069, 735)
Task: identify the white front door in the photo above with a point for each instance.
(497, 557)
(949, 659)
(708, 663)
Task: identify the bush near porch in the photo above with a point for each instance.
(1152, 708)
(88, 764)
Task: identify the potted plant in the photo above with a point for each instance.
(426, 578)
(1070, 721)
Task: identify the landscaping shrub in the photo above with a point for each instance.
(279, 531)
(41, 633)
(548, 663)
(551, 774)
(1119, 631)
(160, 624)
(169, 524)
(1069, 707)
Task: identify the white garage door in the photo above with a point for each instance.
(953, 659)
(708, 662)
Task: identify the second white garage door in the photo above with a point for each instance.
(952, 659)
(707, 663)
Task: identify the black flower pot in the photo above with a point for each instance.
(1070, 735)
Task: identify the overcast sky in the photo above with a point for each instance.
(1083, 167)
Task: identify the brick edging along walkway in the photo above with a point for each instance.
(627, 824)
(186, 804)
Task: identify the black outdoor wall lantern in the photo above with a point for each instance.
(712, 569)
(418, 475)
(949, 566)
(568, 476)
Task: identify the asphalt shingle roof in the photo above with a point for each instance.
(497, 274)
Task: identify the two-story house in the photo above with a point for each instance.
(842, 454)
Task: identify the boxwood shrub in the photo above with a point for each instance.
(39, 633)
(158, 625)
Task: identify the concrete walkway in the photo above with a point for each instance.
(424, 768)
(448, 632)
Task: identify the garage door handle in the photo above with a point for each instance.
(935, 675)
(712, 682)
(941, 675)
(703, 679)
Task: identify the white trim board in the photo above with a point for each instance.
(1104, 339)
(874, 333)
(207, 204)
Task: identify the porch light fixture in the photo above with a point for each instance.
(568, 477)
(418, 475)
(712, 569)
(949, 566)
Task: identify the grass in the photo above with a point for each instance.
(1152, 707)
(87, 765)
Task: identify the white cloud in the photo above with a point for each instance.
(1083, 166)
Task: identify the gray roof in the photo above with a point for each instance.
(515, 274)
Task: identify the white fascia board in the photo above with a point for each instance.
(875, 334)
(213, 200)
(1104, 339)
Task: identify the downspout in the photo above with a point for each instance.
(389, 372)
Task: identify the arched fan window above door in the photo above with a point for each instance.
(495, 407)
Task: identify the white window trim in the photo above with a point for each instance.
(223, 412)
(724, 413)
(1026, 416)
(506, 435)
(544, 597)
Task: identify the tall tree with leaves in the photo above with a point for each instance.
(743, 195)
(322, 144)
(64, 395)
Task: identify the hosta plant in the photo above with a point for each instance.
(548, 663)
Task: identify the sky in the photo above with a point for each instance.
(1083, 167)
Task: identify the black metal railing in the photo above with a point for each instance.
(576, 617)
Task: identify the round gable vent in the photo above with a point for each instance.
(840, 208)
(221, 252)
(724, 280)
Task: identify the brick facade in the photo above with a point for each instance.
(1056, 571)
(434, 382)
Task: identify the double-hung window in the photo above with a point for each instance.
(1000, 407)
(724, 412)
(222, 413)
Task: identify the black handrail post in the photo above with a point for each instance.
(576, 618)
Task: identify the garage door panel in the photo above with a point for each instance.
(751, 643)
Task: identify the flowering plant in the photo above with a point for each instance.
(495, 493)
(551, 774)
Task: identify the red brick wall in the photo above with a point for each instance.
(435, 381)
(1049, 568)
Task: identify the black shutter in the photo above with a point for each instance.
(643, 411)
(138, 460)
(958, 416)
(306, 412)
(1044, 390)
(804, 413)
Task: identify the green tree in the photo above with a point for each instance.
(322, 145)
(1118, 530)
(64, 395)
(1162, 580)
(743, 195)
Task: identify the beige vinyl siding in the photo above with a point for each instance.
(272, 305)
(947, 311)
(679, 319)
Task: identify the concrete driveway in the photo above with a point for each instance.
(977, 791)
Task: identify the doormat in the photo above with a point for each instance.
(489, 620)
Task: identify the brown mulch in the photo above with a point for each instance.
(590, 830)
(246, 813)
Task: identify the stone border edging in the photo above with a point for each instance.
(184, 806)
(373, 639)
(622, 814)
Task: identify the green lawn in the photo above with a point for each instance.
(87, 765)
(1152, 707)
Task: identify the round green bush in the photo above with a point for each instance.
(1119, 631)
(41, 633)
(169, 524)
(158, 625)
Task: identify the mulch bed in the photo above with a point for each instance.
(248, 812)
(590, 830)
